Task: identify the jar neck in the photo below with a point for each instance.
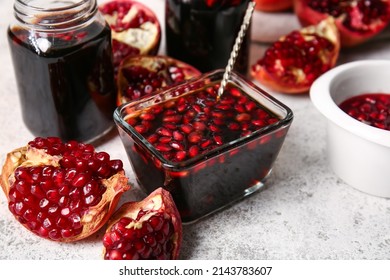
(54, 15)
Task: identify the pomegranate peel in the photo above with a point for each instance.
(147, 229)
(292, 63)
(46, 197)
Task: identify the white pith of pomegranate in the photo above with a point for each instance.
(147, 229)
(144, 75)
(62, 191)
(356, 20)
(291, 64)
(134, 27)
(273, 5)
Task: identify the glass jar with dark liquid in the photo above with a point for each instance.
(202, 32)
(61, 52)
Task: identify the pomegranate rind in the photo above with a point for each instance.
(273, 5)
(348, 38)
(153, 63)
(326, 29)
(96, 216)
(158, 201)
(146, 38)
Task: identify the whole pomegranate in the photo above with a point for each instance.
(273, 5)
(62, 191)
(134, 27)
(147, 229)
(142, 75)
(291, 64)
(356, 20)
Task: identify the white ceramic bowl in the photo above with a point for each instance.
(358, 153)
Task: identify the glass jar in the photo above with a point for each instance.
(202, 32)
(61, 52)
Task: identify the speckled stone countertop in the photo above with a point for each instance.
(306, 212)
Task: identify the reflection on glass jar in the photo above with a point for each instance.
(202, 32)
(61, 53)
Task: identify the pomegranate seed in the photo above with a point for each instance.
(195, 137)
(186, 128)
(193, 151)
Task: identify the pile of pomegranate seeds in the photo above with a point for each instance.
(372, 109)
(51, 200)
(196, 123)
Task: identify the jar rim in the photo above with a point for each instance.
(54, 14)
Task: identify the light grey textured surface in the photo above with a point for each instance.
(305, 213)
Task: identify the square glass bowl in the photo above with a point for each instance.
(208, 153)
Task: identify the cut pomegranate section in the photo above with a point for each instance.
(135, 28)
(144, 75)
(357, 20)
(293, 62)
(62, 191)
(147, 229)
(372, 109)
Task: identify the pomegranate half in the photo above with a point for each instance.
(134, 27)
(144, 75)
(147, 229)
(356, 20)
(62, 191)
(291, 64)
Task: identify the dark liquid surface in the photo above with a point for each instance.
(65, 81)
(204, 37)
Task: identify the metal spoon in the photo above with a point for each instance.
(236, 47)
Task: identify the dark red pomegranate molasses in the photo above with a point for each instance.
(207, 153)
(202, 33)
(65, 81)
(371, 108)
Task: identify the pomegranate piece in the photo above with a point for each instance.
(372, 109)
(293, 62)
(273, 5)
(144, 75)
(62, 191)
(356, 20)
(134, 27)
(148, 229)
